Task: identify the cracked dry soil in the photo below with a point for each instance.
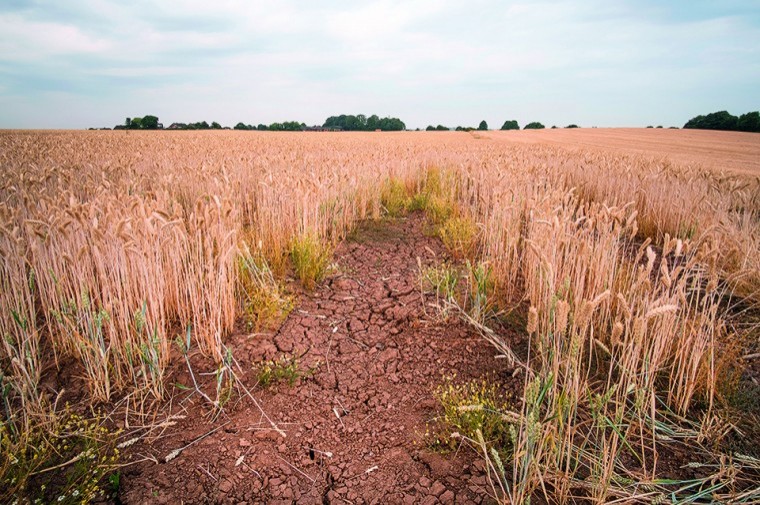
(355, 427)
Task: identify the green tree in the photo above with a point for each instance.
(483, 125)
(572, 126)
(721, 120)
(749, 122)
(430, 128)
(292, 126)
(510, 124)
(241, 126)
(534, 126)
(136, 123)
(215, 126)
(352, 123)
(373, 122)
(149, 123)
(363, 123)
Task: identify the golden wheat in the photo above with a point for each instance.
(109, 242)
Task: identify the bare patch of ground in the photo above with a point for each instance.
(355, 427)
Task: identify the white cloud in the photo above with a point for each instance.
(25, 40)
(424, 60)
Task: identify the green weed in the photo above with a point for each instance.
(469, 408)
(482, 300)
(284, 369)
(394, 197)
(441, 280)
(63, 460)
(149, 353)
(460, 236)
(439, 209)
(264, 300)
(311, 259)
(85, 324)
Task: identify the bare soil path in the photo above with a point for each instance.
(354, 429)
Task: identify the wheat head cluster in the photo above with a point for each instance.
(630, 270)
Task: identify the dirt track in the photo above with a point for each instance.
(367, 404)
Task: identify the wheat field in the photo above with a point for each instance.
(638, 275)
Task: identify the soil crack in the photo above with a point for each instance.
(377, 359)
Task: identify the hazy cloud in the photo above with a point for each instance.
(92, 62)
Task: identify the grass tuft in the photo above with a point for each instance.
(264, 300)
(394, 197)
(284, 369)
(311, 259)
(460, 236)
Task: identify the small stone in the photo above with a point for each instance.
(447, 497)
(225, 486)
(437, 488)
(429, 500)
(245, 442)
(479, 480)
(267, 435)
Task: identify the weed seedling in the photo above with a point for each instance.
(284, 369)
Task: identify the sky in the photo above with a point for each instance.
(92, 63)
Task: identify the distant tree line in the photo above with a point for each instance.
(287, 126)
(342, 122)
(140, 123)
(200, 125)
(509, 124)
(441, 128)
(361, 122)
(723, 120)
(512, 124)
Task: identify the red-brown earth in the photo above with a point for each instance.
(354, 430)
